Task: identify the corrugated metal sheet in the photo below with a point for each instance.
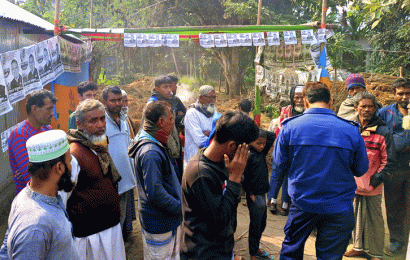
(12, 38)
(13, 12)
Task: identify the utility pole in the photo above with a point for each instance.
(91, 13)
(57, 18)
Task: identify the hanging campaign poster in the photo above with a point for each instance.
(54, 47)
(173, 40)
(290, 37)
(220, 40)
(4, 137)
(245, 39)
(206, 40)
(258, 39)
(5, 105)
(45, 68)
(142, 40)
(273, 38)
(130, 40)
(307, 36)
(321, 35)
(154, 40)
(88, 50)
(29, 70)
(233, 40)
(12, 75)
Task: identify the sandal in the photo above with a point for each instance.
(394, 248)
(263, 254)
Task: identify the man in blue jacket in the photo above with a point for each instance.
(321, 153)
(159, 190)
(397, 190)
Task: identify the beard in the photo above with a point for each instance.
(124, 110)
(404, 104)
(65, 183)
(211, 108)
(406, 122)
(99, 140)
(299, 109)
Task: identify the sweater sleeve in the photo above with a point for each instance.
(220, 206)
(153, 183)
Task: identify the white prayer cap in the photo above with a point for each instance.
(205, 90)
(47, 146)
(123, 93)
(299, 88)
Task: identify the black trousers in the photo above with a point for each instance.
(257, 215)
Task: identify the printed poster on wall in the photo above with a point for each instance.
(5, 105)
(45, 68)
(4, 137)
(142, 40)
(273, 38)
(54, 48)
(29, 68)
(245, 39)
(154, 40)
(206, 40)
(12, 75)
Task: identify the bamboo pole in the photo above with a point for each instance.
(323, 22)
(91, 13)
(57, 18)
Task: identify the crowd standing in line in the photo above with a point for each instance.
(336, 170)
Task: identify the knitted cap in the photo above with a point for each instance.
(47, 146)
(355, 80)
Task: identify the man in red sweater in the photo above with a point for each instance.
(94, 204)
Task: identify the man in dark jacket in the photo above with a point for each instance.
(211, 187)
(397, 191)
(159, 190)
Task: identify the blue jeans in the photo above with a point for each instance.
(275, 183)
(333, 234)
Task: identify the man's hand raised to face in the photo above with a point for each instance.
(237, 165)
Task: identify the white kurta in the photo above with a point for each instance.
(105, 245)
(195, 123)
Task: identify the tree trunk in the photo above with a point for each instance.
(229, 60)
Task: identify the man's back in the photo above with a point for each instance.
(323, 154)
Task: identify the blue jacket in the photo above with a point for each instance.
(394, 120)
(321, 153)
(159, 191)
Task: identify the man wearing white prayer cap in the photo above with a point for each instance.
(39, 227)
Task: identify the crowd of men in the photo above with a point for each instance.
(75, 190)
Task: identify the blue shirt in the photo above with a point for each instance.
(38, 229)
(321, 153)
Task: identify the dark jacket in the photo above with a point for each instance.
(394, 120)
(159, 191)
(210, 202)
(256, 174)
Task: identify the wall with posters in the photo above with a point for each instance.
(11, 38)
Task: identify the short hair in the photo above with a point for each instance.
(262, 133)
(316, 92)
(156, 110)
(173, 77)
(205, 90)
(37, 98)
(41, 170)
(364, 95)
(31, 56)
(161, 80)
(236, 126)
(401, 83)
(14, 61)
(86, 86)
(86, 106)
(245, 105)
(110, 89)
